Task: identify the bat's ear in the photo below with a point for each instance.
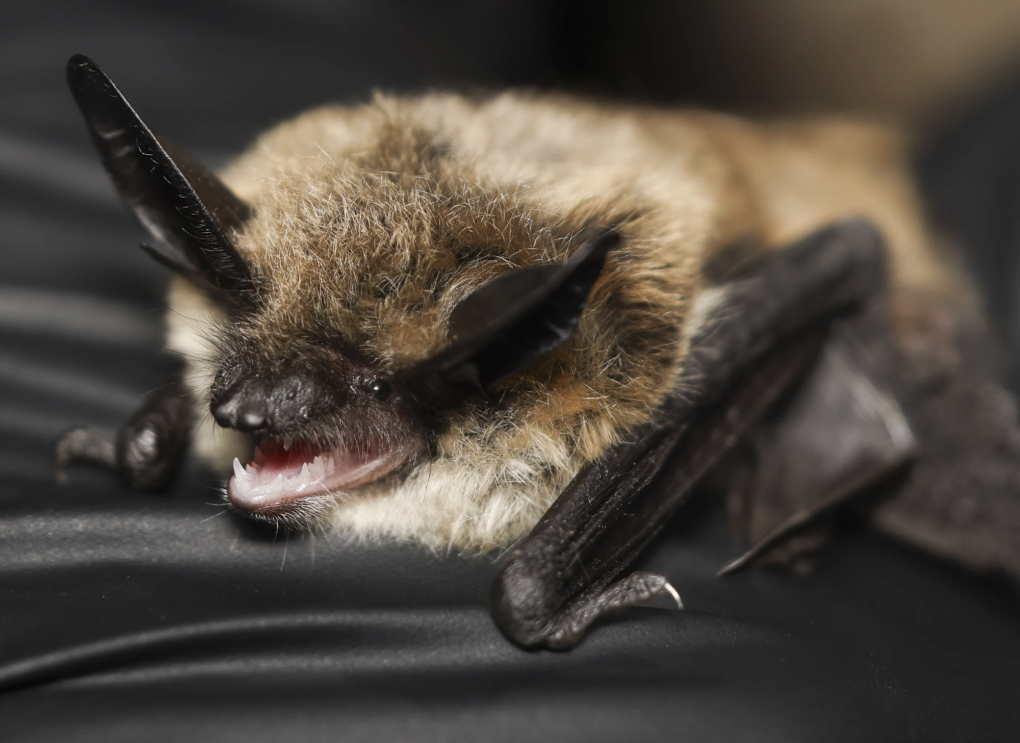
(186, 207)
(507, 324)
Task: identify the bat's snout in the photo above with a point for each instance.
(324, 425)
(274, 405)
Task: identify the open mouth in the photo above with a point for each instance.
(283, 473)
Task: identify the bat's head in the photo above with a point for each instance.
(396, 312)
(412, 349)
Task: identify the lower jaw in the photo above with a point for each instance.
(261, 489)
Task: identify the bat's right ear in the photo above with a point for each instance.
(182, 204)
(506, 325)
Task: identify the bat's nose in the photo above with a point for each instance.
(244, 408)
(273, 404)
(268, 399)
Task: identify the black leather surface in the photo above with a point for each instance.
(127, 617)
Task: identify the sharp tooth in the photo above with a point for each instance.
(239, 472)
(287, 441)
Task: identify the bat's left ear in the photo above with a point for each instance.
(182, 204)
(507, 324)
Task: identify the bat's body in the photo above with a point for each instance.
(335, 307)
(360, 211)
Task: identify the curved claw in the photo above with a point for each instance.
(674, 594)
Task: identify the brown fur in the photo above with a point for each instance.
(372, 222)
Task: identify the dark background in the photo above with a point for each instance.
(131, 617)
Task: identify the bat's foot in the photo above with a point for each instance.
(522, 610)
(148, 446)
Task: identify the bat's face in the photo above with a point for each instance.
(365, 272)
(312, 368)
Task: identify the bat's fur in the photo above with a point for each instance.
(372, 222)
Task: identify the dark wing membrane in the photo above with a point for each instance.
(770, 328)
(506, 325)
(840, 432)
(185, 207)
(961, 499)
(876, 402)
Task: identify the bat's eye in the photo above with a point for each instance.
(379, 389)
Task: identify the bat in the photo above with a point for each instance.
(534, 321)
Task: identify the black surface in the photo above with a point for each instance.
(131, 617)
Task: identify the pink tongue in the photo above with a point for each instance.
(271, 459)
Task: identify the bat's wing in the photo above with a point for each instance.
(961, 498)
(872, 400)
(772, 332)
(840, 431)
